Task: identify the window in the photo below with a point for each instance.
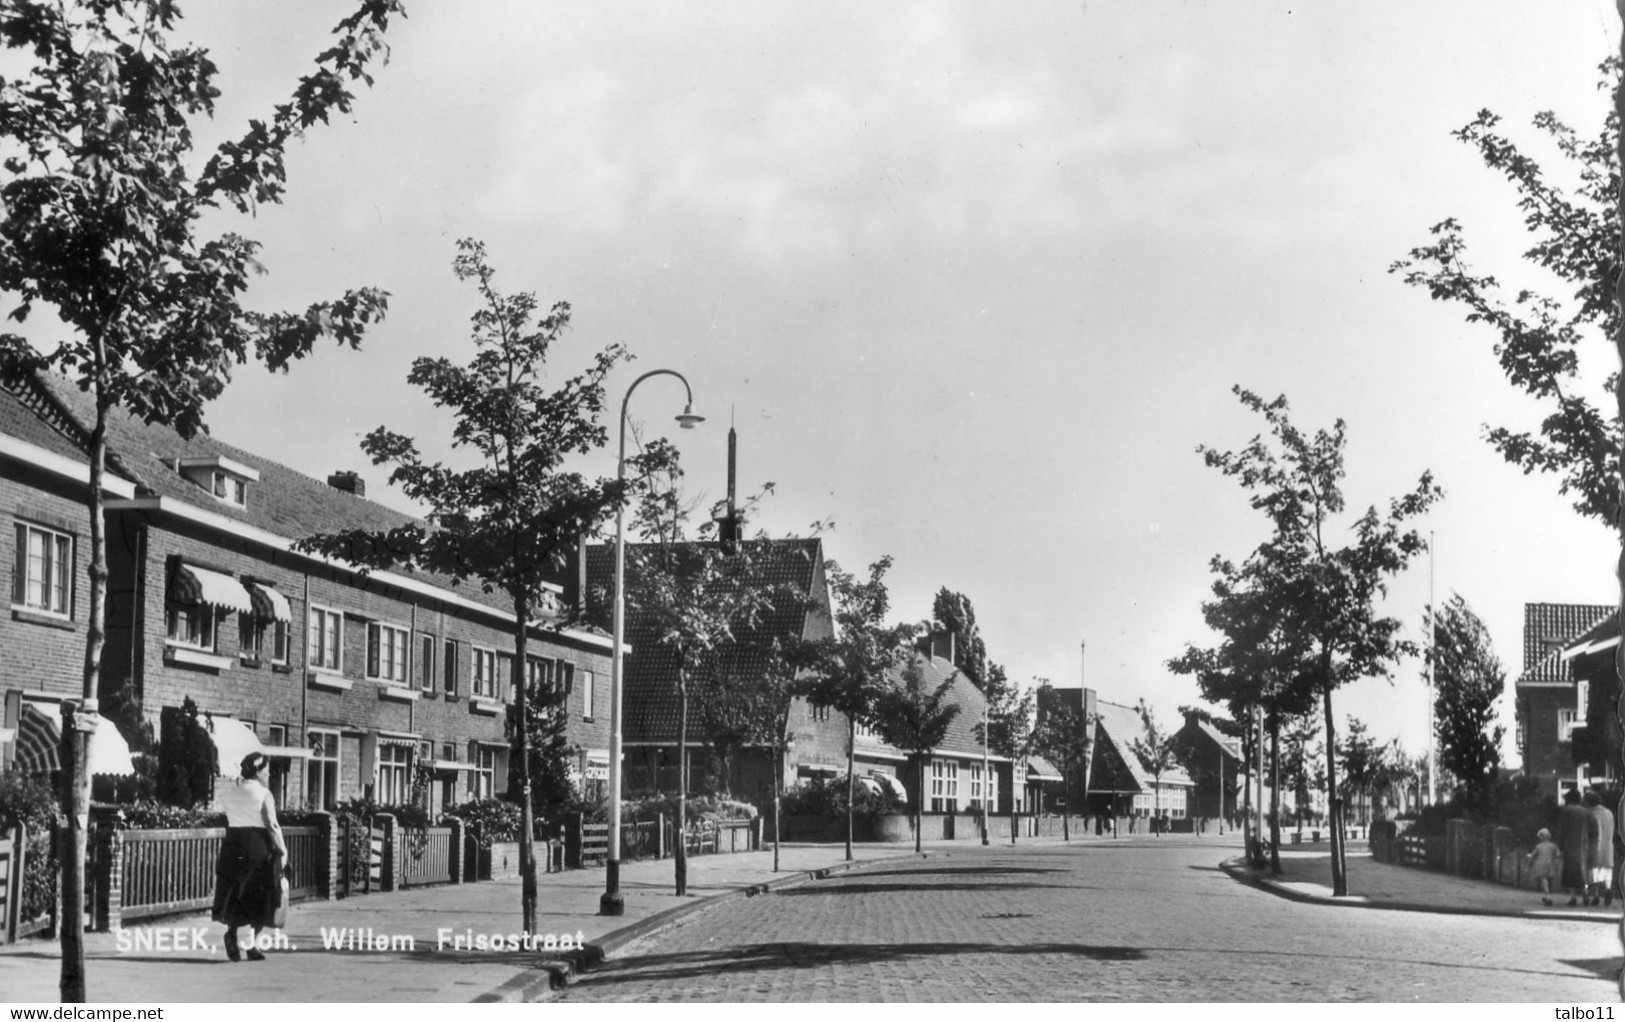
(448, 778)
(263, 638)
(505, 676)
(539, 673)
(451, 660)
(386, 652)
(588, 695)
(426, 662)
(1567, 721)
(43, 579)
(482, 779)
(484, 674)
(944, 786)
(565, 675)
(322, 772)
(326, 639)
(193, 626)
(277, 737)
(816, 713)
(976, 785)
(865, 731)
(394, 774)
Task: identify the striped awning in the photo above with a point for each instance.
(39, 740)
(268, 603)
(194, 585)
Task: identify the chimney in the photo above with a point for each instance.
(731, 526)
(938, 641)
(349, 482)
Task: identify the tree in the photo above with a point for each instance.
(1062, 735)
(955, 614)
(694, 596)
(1156, 750)
(847, 672)
(1330, 593)
(914, 717)
(1365, 764)
(510, 519)
(1257, 670)
(1299, 753)
(1576, 244)
(1468, 681)
(1008, 731)
(104, 224)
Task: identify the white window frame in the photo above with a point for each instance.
(588, 694)
(1567, 721)
(482, 773)
(318, 644)
(324, 772)
(51, 593)
(482, 675)
(193, 627)
(252, 632)
(392, 662)
(504, 676)
(393, 774)
(426, 660)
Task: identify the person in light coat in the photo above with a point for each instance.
(1600, 850)
(248, 871)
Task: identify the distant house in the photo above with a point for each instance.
(1213, 762)
(1119, 784)
(955, 782)
(1595, 741)
(390, 684)
(1548, 696)
(650, 701)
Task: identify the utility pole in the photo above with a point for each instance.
(1433, 772)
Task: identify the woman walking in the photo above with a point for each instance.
(249, 870)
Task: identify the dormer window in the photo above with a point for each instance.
(223, 477)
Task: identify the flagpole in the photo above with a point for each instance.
(1433, 784)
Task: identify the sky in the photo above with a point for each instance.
(973, 281)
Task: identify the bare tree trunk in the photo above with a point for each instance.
(527, 812)
(1275, 794)
(1619, 345)
(76, 736)
(851, 779)
(1340, 880)
(919, 806)
(681, 862)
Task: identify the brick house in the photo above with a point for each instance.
(354, 683)
(1596, 740)
(650, 704)
(1547, 695)
(1213, 762)
(1118, 782)
(44, 545)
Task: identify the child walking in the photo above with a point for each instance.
(1545, 864)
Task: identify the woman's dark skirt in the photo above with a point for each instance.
(246, 887)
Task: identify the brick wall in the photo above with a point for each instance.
(297, 697)
(39, 653)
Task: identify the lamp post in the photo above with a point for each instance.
(612, 903)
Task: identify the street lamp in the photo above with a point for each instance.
(612, 903)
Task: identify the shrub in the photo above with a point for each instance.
(154, 815)
(496, 818)
(827, 799)
(27, 800)
(710, 806)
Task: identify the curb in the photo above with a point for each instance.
(1238, 869)
(549, 976)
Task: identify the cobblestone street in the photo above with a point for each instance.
(1137, 919)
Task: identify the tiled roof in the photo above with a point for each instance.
(1123, 726)
(1038, 766)
(283, 502)
(650, 702)
(963, 728)
(1547, 628)
(30, 415)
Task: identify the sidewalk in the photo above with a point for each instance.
(424, 968)
(1307, 876)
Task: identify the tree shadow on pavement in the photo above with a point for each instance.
(956, 870)
(754, 958)
(1607, 968)
(922, 888)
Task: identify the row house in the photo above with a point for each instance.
(1550, 700)
(957, 776)
(396, 685)
(1115, 783)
